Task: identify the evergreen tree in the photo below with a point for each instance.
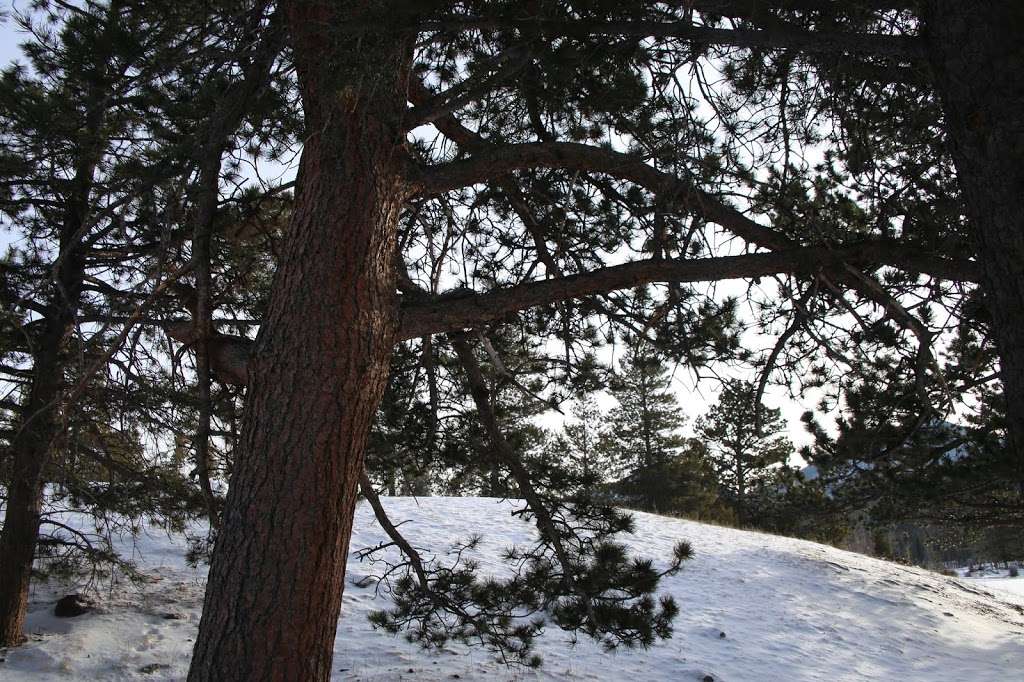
(644, 428)
(788, 504)
(744, 458)
(893, 463)
(73, 172)
(582, 444)
(684, 485)
(101, 133)
(659, 469)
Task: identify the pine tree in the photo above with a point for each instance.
(685, 485)
(658, 468)
(529, 101)
(643, 429)
(744, 458)
(70, 154)
(100, 164)
(582, 444)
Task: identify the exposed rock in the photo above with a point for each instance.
(152, 668)
(72, 605)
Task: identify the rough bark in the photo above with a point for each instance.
(321, 362)
(977, 57)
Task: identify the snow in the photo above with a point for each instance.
(995, 580)
(790, 610)
(1003, 585)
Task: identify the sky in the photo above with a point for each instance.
(9, 36)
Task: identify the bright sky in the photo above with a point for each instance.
(9, 51)
(9, 37)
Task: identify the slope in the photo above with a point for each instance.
(754, 607)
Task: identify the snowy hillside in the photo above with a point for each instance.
(789, 610)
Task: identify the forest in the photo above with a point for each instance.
(266, 259)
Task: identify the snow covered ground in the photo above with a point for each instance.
(996, 580)
(1001, 585)
(790, 610)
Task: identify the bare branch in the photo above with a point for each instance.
(392, 530)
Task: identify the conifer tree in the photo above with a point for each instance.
(582, 443)
(657, 467)
(690, 487)
(644, 428)
(72, 187)
(101, 132)
(521, 104)
(744, 457)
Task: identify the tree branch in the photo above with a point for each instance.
(505, 454)
(751, 8)
(905, 47)
(446, 314)
(392, 530)
(229, 354)
(495, 162)
(429, 109)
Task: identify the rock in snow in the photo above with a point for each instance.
(793, 610)
(72, 605)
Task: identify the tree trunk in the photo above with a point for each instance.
(30, 447)
(207, 194)
(220, 127)
(645, 423)
(276, 578)
(741, 491)
(977, 57)
(39, 425)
